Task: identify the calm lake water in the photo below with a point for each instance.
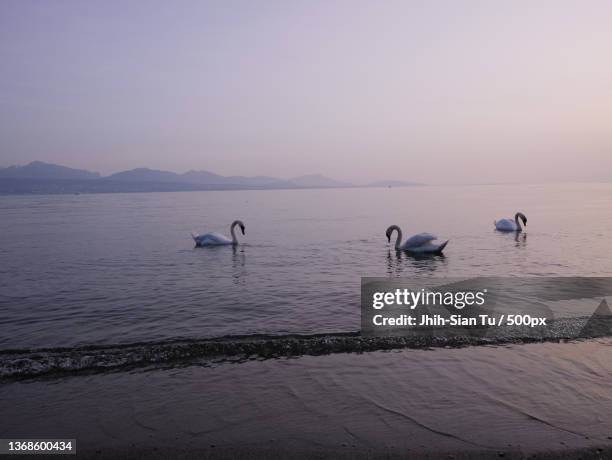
(117, 268)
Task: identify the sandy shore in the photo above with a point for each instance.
(545, 400)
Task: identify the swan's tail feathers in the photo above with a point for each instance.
(442, 246)
(195, 236)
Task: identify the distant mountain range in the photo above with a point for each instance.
(43, 178)
(40, 170)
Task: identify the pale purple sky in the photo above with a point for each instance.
(435, 91)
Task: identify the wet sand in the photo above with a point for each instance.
(344, 454)
(548, 400)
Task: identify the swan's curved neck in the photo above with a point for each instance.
(517, 221)
(233, 232)
(398, 241)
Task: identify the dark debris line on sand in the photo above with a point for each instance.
(19, 364)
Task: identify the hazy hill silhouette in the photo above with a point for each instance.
(40, 178)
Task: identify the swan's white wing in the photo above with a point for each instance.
(419, 240)
(212, 239)
(428, 248)
(505, 225)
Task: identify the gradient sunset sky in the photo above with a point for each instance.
(433, 91)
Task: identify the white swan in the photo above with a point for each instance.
(509, 225)
(216, 239)
(417, 244)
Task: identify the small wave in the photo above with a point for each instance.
(28, 363)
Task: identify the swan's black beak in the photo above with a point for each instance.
(388, 237)
(242, 227)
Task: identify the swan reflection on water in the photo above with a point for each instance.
(239, 271)
(399, 261)
(230, 265)
(520, 239)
